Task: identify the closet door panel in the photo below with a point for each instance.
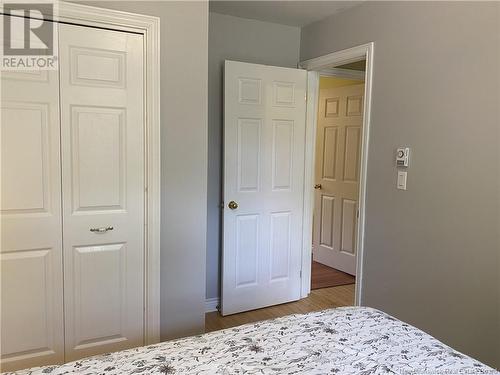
(103, 189)
(30, 215)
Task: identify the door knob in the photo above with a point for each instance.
(101, 230)
(232, 205)
(317, 186)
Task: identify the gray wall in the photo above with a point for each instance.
(431, 252)
(233, 38)
(184, 53)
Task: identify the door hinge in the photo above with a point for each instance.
(221, 206)
(305, 97)
(300, 274)
(357, 214)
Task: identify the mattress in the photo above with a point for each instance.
(347, 340)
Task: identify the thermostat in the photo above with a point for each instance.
(403, 156)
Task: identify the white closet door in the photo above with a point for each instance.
(103, 189)
(30, 216)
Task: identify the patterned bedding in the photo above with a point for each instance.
(347, 340)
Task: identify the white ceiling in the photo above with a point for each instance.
(293, 13)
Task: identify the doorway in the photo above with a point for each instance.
(339, 128)
(338, 118)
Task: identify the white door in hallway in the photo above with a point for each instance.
(337, 167)
(102, 138)
(31, 243)
(264, 138)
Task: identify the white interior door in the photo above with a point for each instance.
(103, 189)
(30, 215)
(264, 137)
(337, 166)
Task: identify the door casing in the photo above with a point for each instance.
(314, 68)
(149, 27)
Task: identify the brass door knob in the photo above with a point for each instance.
(232, 205)
(317, 186)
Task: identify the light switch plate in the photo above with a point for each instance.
(402, 177)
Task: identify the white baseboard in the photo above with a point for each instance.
(211, 304)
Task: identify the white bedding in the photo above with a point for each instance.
(348, 340)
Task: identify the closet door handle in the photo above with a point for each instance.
(101, 230)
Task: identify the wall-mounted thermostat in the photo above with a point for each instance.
(403, 156)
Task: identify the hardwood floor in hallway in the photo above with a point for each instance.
(318, 299)
(326, 277)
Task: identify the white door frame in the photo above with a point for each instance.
(149, 27)
(315, 67)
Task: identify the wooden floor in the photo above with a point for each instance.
(323, 277)
(319, 299)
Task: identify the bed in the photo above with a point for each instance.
(347, 340)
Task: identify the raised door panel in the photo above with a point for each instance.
(351, 153)
(354, 106)
(282, 158)
(326, 221)
(332, 106)
(329, 159)
(249, 134)
(249, 91)
(284, 94)
(27, 311)
(281, 246)
(103, 189)
(349, 213)
(25, 158)
(97, 67)
(99, 298)
(247, 250)
(98, 158)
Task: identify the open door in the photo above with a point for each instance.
(337, 164)
(264, 138)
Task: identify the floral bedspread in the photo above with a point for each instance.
(347, 340)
